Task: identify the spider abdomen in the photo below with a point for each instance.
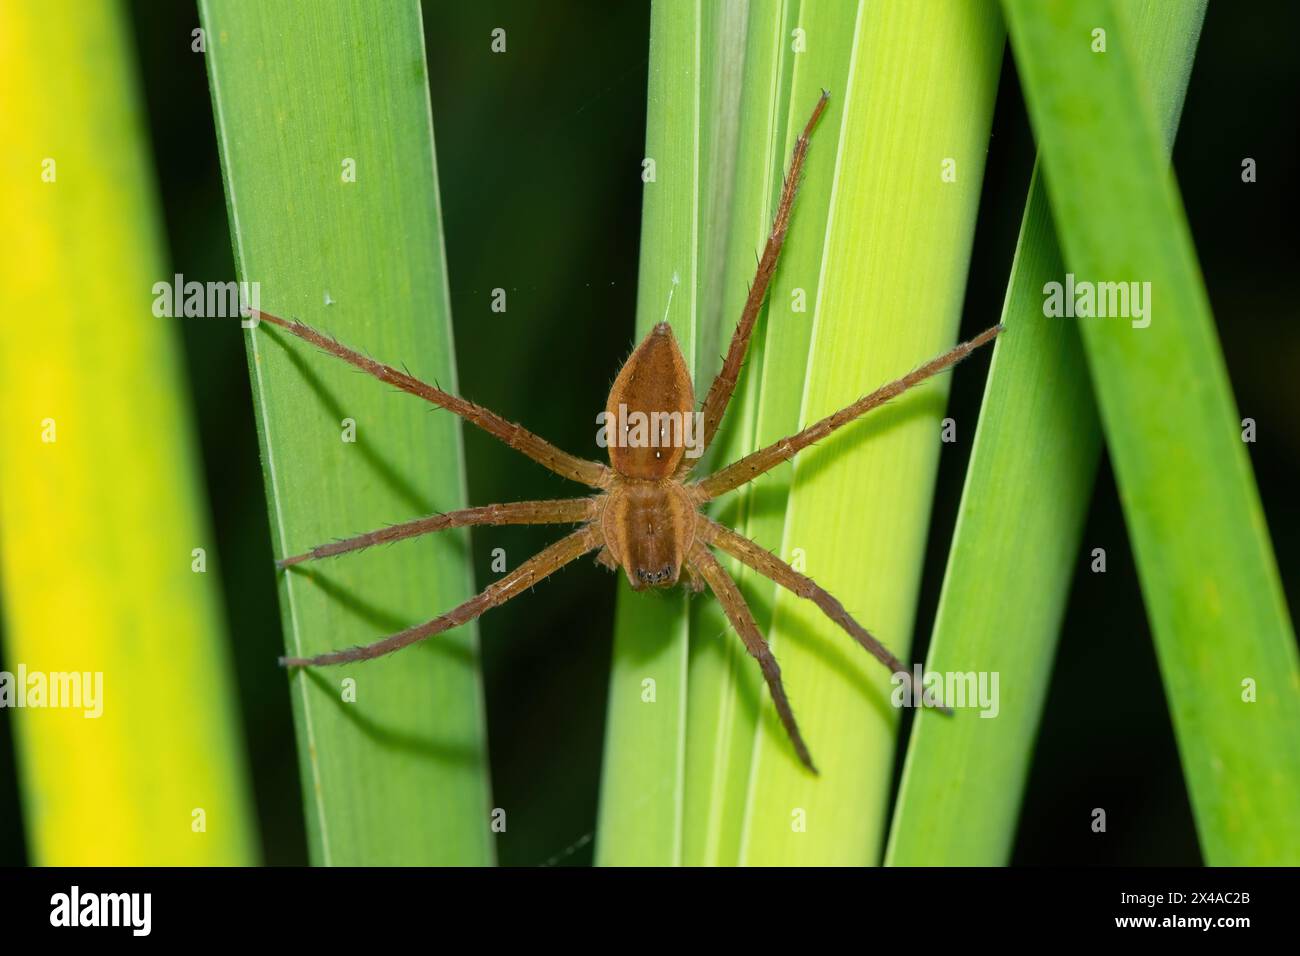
(648, 528)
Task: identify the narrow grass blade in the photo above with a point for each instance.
(1015, 548)
(101, 514)
(642, 778)
(920, 90)
(1223, 635)
(784, 74)
(328, 153)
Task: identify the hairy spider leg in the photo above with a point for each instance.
(755, 556)
(541, 565)
(751, 466)
(591, 473)
(719, 394)
(733, 603)
(564, 511)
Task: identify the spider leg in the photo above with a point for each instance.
(694, 583)
(719, 395)
(591, 473)
(514, 512)
(544, 563)
(765, 459)
(738, 613)
(770, 566)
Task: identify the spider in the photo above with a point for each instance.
(646, 515)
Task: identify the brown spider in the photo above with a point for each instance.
(646, 517)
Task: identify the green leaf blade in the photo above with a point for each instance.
(109, 562)
(1205, 563)
(780, 89)
(642, 777)
(336, 213)
(860, 502)
(1022, 512)
(736, 751)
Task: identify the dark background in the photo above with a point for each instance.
(539, 156)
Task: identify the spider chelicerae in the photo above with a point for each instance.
(646, 515)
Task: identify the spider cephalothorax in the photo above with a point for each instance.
(646, 515)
